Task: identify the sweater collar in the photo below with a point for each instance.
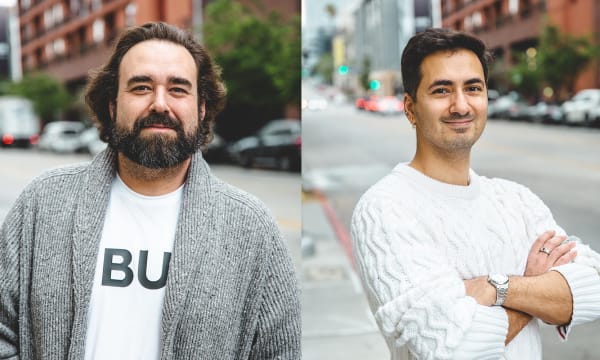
(468, 192)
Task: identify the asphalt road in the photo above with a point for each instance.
(345, 151)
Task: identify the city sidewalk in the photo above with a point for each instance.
(337, 323)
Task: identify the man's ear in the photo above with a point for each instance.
(409, 107)
(111, 109)
(202, 111)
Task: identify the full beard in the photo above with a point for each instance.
(156, 151)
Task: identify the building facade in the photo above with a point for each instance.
(381, 30)
(509, 27)
(67, 38)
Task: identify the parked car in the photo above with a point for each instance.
(548, 112)
(276, 145)
(511, 106)
(216, 152)
(19, 125)
(388, 105)
(582, 108)
(89, 141)
(61, 136)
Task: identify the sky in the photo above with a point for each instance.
(7, 2)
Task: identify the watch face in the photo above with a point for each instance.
(499, 279)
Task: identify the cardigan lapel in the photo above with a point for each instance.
(192, 246)
(89, 220)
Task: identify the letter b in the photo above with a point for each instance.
(109, 266)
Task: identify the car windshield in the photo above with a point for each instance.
(280, 127)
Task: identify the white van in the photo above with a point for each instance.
(19, 125)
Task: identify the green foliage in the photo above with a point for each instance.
(324, 67)
(525, 75)
(49, 96)
(562, 57)
(260, 57)
(364, 74)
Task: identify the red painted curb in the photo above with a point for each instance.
(338, 228)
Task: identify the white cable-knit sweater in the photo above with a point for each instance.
(415, 239)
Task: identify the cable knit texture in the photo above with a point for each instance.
(415, 239)
(231, 291)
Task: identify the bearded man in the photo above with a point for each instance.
(143, 253)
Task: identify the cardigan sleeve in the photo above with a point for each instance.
(582, 275)
(278, 334)
(9, 282)
(417, 298)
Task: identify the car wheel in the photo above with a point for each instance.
(246, 160)
(285, 163)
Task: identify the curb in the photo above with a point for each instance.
(338, 227)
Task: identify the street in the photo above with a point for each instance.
(345, 151)
(278, 190)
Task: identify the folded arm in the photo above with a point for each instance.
(417, 297)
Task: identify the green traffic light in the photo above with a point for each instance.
(343, 69)
(375, 84)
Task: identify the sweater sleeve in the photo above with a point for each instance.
(278, 334)
(9, 282)
(582, 275)
(417, 298)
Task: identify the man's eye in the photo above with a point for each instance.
(179, 90)
(141, 89)
(475, 88)
(441, 91)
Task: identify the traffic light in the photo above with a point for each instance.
(343, 69)
(375, 84)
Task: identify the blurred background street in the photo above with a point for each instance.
(347, 150)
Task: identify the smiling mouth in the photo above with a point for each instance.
(157, 126)
(458, 122)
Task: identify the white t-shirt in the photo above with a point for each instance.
(127, 296)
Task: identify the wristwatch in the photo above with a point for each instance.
(500, 282)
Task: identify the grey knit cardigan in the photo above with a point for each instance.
(231, 291)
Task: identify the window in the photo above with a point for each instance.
(59, 46)
(98, 31)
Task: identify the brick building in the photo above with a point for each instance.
(511, 26)
(67, 38)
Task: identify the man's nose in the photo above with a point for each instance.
(159, 102)
(460, 104)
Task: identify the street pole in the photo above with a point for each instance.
(197, 19)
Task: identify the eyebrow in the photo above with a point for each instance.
(145, 78)
(449, 82)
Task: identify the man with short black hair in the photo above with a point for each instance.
(456, 265)
(143, 253)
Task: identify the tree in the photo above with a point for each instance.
(364, 74)
(260, 58)
(324, 67)
(49, 96)
(525, 75)
(561, 58)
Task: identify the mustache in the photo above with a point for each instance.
(458, 117)
(156, 119)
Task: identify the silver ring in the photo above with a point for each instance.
(545, 250)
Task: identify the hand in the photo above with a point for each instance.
(481, 290)
(561, 253)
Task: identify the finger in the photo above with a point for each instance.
(555, 241)
(539, 242)
(560, 250)
(566, 258)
